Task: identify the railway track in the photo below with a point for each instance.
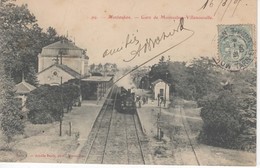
(99, 126)
(114, 138)
(189, 144)
(186, 127)
(135, 152)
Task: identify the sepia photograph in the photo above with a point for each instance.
(110, 82)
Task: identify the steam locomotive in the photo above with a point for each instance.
(125, 101)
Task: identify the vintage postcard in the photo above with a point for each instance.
(141, 82)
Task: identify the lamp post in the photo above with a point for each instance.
(148, 83)
(158, 122)
(142, 85)
(80, 91)
(160, 110)
(165, 89)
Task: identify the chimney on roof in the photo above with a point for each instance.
(22, 76)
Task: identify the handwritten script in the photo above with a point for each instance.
(224, 4)
(148, 45)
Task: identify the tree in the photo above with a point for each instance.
(144, 82)
(244, 88)
(202, 78)
(17, 25)
(22, 41)
(229, 114)
(31, 76)
(180, 84)
(92, 67)
(51, 36)
(44, 104)
(115, 69)
(137, 76)
(100, 68)
(162, 60)
(10, 119)
(220, 115)
(71, 94)
(159, 71)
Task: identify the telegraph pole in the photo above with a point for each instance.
(80, 91)
(165, 89)
(61, 51)
(158, 122)
(61, 115)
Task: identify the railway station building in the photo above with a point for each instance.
(161, 89)
(63, 61)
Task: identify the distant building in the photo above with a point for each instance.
(61, 59)
(161, 88)
(22, 90)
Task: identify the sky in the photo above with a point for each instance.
(87, 23)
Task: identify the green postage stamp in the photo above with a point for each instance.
(236, 46)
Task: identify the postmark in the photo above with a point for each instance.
(235, 47)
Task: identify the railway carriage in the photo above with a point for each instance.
(125, 101)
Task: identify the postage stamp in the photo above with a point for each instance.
(235, 46)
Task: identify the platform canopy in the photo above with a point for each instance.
(98, 79)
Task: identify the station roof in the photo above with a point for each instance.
(98, 79)
(63, 44)
(24, 87)
(159, 80)
(64, 68)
